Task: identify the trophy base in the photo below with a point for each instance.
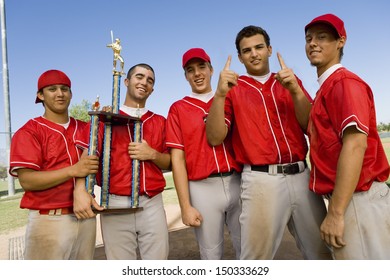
(116, 210)
(108, 117)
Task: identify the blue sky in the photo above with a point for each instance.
(71, 35)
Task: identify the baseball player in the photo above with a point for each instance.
(146, 229)
(268, 139)
(46, 161)
(206, 178)
(349, 163)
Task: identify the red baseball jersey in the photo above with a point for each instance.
(186, 130)
(42, 145)
(152, 181)
(263, 123)
(342, 100)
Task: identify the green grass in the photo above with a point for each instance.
(169, 194)
(4, 188)
(12, 216)
(385, 140)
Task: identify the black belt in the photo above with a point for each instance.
(221, 174)
(287, 168)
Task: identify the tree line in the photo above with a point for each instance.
(383, 127)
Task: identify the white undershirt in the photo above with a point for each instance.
(321, 79)
(205, 97)
(65, 125)
(133, 112)
(261, 79)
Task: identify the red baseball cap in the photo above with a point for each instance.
(52, 77)
(333, 21)
(195, 53)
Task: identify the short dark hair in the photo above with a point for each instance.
(249, 31)
(143, 65)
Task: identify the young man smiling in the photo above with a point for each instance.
(268, 139)
(349, 165)
(47, 162)
(206, 178)
(146, 229)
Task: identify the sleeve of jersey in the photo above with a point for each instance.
(174, 137)
(349, 103)
(26, 151)
(164, 136)
(83, 137)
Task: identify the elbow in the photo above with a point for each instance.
(166, 163)
(213, 137)
(168, 166)
(214, 141)
(215, 134)
(25, 185)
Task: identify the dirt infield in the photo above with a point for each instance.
(183, 246)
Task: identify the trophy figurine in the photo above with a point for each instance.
(116, 47)
(110, 120)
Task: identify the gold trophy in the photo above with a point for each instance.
(111, 119)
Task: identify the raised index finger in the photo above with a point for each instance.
(281, 61)
(227, 65)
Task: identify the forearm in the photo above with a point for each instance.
(302, 108)
(32, 180)
(180, 178)
(80, 184)
(162, 160)
(83, 202)
(216, 129)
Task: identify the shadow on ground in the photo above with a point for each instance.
(183, 246)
